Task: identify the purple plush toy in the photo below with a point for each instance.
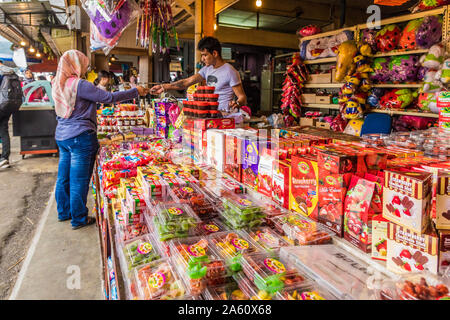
(368, 36)
(119, 20)
(381, 70)
(421, 73)
(404, 68)
(429, 32)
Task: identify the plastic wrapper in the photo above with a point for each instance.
(423, 286)
(267, 239)
(230, 291)
(206, 228)
(272, 274)
(250, 290)
(307, 292)
(408, 38)
(404, 68)
(174, 221)
(301, 230)
(387, 38)
(202, 205)
(231, 246)
(198, 264)
(159, 281)
(429, 32)
(242, 211)
(271, 210)
(129, 232)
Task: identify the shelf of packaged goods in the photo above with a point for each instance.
(407, 17)
(398, 85)
(398, 53)
(318, 61)
(407, 113)
(323, 85)
(326, 34)
(321, 106)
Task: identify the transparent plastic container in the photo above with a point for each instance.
(268, 239)
(158, 280)
(131, 231)
(271, 210)
(138, 251)
(174, 221)
(308, 292)
(423, 286)
(230, 291)
(206, 228)
(232, 245)
(272, 274)
(202, 205)
(198, 264)
(301, 230)
(250, 290)
(242, 211)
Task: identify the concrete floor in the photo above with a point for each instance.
(36, 251)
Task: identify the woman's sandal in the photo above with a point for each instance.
(89, 221)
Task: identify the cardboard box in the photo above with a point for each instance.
(250, 161)
(443, 203)
(409, 251)
(407, 199)
(379, 237)
(308, 97)
(335, 162)
(323, 99)
(332, 191)
(320, 78)
(444, 250)
(225, 123)
(215, 153)
(307, 122)
(323, 125)
(333, 77)
(280, 183)
(265, 173)
(304, 184)
(233, 156)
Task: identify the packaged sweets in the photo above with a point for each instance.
(131, 231)
(271, 274)
(231, 246)
(250, 290)
(422, 286)
(267, 239)
(198, 265)
(228, 291)
(174, 221)
(242, 211)
(307, 292)
(159, 281)
(202, 205)
(205, 228)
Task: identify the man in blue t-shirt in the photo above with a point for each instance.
(217, 73)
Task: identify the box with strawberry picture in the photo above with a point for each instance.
(280, 182)
(304, 184)
(233, 156)
(409, 251)
(332, 161)
(358, 214)
(379, 237)
(407, 199)
(444, 250)
(332, 191)
(443, 203)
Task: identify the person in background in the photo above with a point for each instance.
(76, 134)
(217, 73)
(103, 80)
(28, 77)
(7, 106)
(37, 94)
(52, 75)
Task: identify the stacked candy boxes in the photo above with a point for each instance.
(162, 118)
(197, 263)
(241, 211)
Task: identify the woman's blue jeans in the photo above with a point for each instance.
(76, 163)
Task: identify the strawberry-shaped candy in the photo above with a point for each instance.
(396, 200)
(405, 254)
(408, 37)
(429, 32)
(388, 38)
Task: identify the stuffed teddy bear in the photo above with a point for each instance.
(387, 38)
(434, 58)
(443, 74)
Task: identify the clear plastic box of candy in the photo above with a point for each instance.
(174, 220)
(301, 230)
(272, 274)
(232, 245)
(206, 228)
(241, 210)
(374, 139)
(198, 264)
(199, 201)
(268, 239)
(158, 280)
(271, 210)
(423, 286)
(229, 291)
(130, 231)
(307, 292)
(250, 290)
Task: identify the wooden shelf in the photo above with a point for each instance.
(326, 34)
(407, 17)
(406, 113)
(323, 60)
(398, 85)
(284, 55)
(323, 85)
(398, 53)
(321, 106)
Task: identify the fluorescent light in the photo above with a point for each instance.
(234, 26)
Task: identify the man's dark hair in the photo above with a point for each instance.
(103, 74)
(211, 44)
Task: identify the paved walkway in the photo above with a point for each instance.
(61, 263)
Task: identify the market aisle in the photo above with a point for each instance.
(60, 255)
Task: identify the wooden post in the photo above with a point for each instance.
(204, 23)
(209, 18)
(198, 29)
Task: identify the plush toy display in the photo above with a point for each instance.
(429, 32)
(373, 100)
(430, 84)
(397, 99)
(368, 37)
(424, 5)
(434, 58)
(408, 37)
(421, 73)
(387, 38)
(427, 102)
(308, 31)
(344, 65)
(323, 47)
(381, 72)
(404, 68)
(443, 74)
(364, 85)
(352, 109)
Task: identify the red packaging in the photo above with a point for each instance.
(444, 250)
(357, 213)
(332, 191)
(233, 156)
(265, 172)
(377, 200)
(225, 123)
(334, 162)
(304, 184)
(280, 183)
